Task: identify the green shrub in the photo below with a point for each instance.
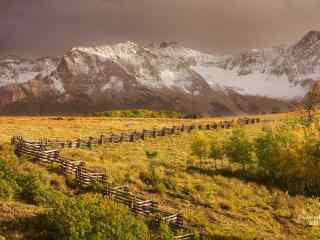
(90, 217)
(312, 168)
(165, 232)
(239, 149)
(216, 150)
(139, 113)
(280, 155)
(8, 185)
(7, 191)
(200, 146)
(267, 154)
(290, 156)
(6, 173)
(34, 191)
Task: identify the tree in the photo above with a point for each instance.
(282, 154)
(266, 153)
(90, 217)
(165, 232)
(216, 151)
(200, 146)
(153, 178)
(239, 149)
(312, 100)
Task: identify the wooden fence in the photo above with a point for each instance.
(142, 135)
(136, 202)
(42, 152)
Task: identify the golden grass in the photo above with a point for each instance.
(224, 205)
(74, 127)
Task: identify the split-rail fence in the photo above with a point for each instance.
(42, 151)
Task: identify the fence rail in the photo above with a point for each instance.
(42, 151)
(136, 202)
(141, 135)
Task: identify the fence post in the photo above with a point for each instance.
(39, 154)
(104, 178)
(78, 144)
(18, 148)
(163, 131)
(179, 220)
(13, 140)
(134, 204)
(121, 137)
(79, 172)
(56, 156)
(132, 137)
(143, 134)
(101, 139)
(90, 142)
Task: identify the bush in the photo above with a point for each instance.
(90, 217)
(239, 149)
(151, 177)
(7, 191)
(200, 146)
(280, 154)
(312, 166)
(165, 232)
(8, 185)
(290, 156)
(216, 150)
(34, 191)
(139, 113)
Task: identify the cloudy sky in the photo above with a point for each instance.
(49, 27)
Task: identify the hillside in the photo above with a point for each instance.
(227, 204)
(166, 76)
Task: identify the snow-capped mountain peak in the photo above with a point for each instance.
(311, 38)
(164, 75)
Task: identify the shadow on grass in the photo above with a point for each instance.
(247, 176)
(22, 226)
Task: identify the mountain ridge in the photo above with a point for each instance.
(161, 76)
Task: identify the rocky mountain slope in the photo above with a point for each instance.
(163, 76)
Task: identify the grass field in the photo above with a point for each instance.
(226, 203)
(75, 127)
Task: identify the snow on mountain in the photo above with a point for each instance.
(165, 75)
(15, 70)
(255, 84)
(267, 72)
(277, 72)
(155, 68)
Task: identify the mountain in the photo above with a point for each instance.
(160, 76)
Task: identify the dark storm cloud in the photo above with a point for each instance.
(49, 27)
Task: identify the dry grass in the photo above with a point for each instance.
(225, 205)
(222, 204)
(75, 127)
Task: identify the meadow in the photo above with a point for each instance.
(224, 201)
